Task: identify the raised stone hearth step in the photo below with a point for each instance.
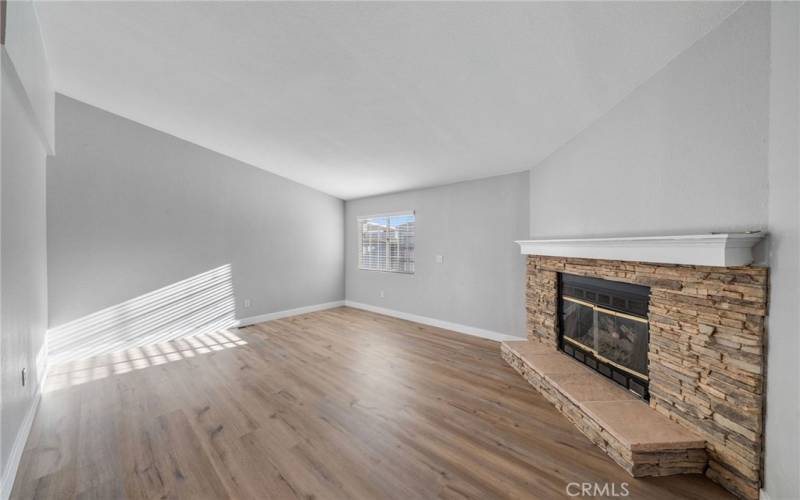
(641, 440)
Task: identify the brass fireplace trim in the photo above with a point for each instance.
(605, 359)
(606, 311)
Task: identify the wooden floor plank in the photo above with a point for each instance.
(334, 404)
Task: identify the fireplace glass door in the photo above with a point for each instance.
(604, 325)
(622, 340)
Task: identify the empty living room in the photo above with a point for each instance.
(399, 250)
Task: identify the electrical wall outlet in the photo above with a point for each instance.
(247, 303)
(381, 294)
(440, 259)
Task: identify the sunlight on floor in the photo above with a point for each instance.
(77, 372)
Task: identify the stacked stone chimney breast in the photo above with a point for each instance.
(706, 351)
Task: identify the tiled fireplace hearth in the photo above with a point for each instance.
(705, 369)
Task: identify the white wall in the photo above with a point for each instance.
(26, 113)
(709, 143)
(685, 152)
(783, 392)
(473, 225)
(131, 210)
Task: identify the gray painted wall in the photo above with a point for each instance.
(23, 294)
(687, 149)
(131, 209)
(696, 149)
(473, 225)
(783, 372)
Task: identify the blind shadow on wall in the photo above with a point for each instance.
(196, 306)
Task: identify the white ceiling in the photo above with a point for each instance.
(357, 99)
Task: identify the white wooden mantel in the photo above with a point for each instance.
(714, 249)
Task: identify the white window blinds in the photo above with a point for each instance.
(386, 243)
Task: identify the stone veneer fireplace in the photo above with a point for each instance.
(705, 352)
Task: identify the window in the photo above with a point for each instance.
(386, 243)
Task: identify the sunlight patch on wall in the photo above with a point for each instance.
(199, 305)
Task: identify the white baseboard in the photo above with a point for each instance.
(447, 325)
(456, 327)
(14, 458)
(252, 320)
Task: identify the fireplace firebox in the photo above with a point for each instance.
(603, 324)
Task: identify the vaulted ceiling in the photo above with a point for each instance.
(357, 99)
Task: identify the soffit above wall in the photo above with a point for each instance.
(26, 51)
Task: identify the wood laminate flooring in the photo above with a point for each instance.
(334, 404)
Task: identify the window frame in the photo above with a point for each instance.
(387, 215)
